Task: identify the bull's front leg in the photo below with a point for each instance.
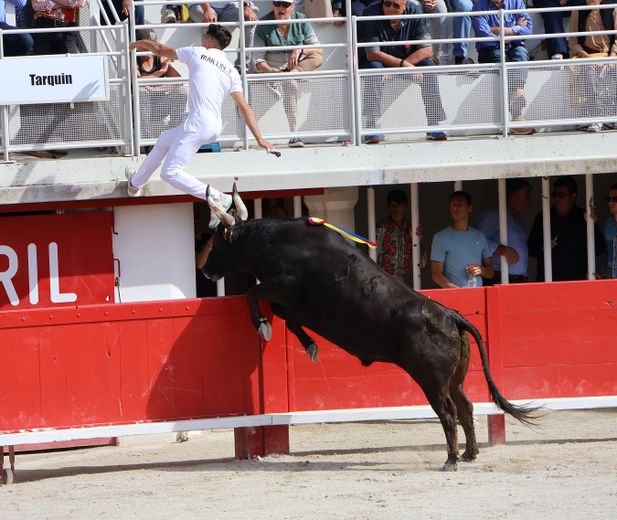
(278, 292)
(307, 342)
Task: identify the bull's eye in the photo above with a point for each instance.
(227, 232)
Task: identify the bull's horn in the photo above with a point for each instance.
(226, 219)
(242, 211)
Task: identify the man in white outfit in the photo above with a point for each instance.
(211, 78)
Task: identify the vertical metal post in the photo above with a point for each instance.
(503, 226)
(297, 206)
(258, 208)
(245, 81)
(356, 84)
(546, 229)
(504, 73)
(416, 279)
(591, 238)
(370, 209)
(458, 185)
(131, 63)
(352, 61)
(220, 287)
(6, 138)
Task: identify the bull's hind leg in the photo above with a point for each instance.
(445, 409)
(464, 406)
(307, 342)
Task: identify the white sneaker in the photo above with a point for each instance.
(168, 16)
(224, 203)
(130, 189)
(594, 127)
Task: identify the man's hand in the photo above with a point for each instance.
(267, 145)
(510, 253)
(522, 22)
(429, 5)
(249, 14)
(126, 6)
(209, 14)
(336, 12)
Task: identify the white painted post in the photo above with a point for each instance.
(372, 230)
(546, 229)
(503, 226)
(591, 238)
(415, 240)
(297, 206)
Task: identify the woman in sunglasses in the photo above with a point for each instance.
(298, 60)
(610, 235)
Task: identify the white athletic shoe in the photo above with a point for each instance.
(224, 203)
(130, 189)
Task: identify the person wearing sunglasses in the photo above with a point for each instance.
(297, 60)
(610, 235)
(568, 234)
(515, 24)
(405, 56)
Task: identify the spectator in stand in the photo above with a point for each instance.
(610, 235)
(212, 12)
(14, 44)
(357, 8)
(461, 28)
(298, 60)
(394, 240)
(408, 56)
(518, 194)
(160, 106)
(437, 27)
(172, 13)
(556, 48)
(596, 83)
(568, 235)
(123, 10)
(516, 24)
(51, 14)
(460, 256)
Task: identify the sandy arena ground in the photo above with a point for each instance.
(568, 470)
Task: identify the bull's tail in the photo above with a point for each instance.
(525, 414)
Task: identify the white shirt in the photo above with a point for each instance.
(211, 78)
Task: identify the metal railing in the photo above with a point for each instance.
(340, 102)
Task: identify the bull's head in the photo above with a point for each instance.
(221, 258)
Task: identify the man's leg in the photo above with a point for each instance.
(154, 159)
(461, 28)
(372, 91)
(516, 81)
(16, 44)
(553, 24)
(429, 89)
(438, 29)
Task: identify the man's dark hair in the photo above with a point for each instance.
(613, 187)
(461, 194)
(396, 196)
(515, 185)
(220, 34)
(568, 182)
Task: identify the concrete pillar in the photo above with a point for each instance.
(336, 206)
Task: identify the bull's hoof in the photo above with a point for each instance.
(265, 330)
(313, 352)
(468, 456)
(450, 466)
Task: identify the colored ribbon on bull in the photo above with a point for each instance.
(316, 221)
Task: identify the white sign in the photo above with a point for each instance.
(53, 79)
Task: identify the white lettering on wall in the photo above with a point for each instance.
(7, 276)
(54, 280)
(33, 274)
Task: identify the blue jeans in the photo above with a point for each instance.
(461, 26)
(429, 90)
(516, 78)
(553, 23)
(16, 44)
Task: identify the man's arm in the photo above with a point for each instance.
(487, 268)
(155, 48)
(438, 277)
(248, 116)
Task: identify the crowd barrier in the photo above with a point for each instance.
(331, 102)
(125, 369)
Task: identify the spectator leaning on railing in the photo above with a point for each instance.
(53, 14)
(597, 84)
(407, 56)
(14, 44)
(516, 24)
(297, 60)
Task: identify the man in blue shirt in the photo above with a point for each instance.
(409, 56)
(14, 44)
(518, 193)
(460, 256)
(610, 234)
(516, 24)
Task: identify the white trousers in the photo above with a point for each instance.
(174, 149)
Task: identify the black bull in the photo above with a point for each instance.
(312, 277)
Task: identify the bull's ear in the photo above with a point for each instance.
(226, 219)
(240, 207)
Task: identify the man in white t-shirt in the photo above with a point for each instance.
(211, 78)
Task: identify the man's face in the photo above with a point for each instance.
(282, 10)
(397, 210)
(519, 200)
(612, 202)
(459, 208)
(394, 7)
(497, 3)
(563, 200)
